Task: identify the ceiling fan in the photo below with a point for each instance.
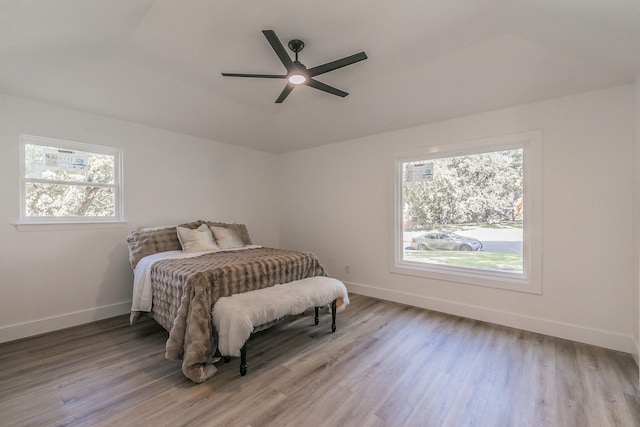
(297, 73)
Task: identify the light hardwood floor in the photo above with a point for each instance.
(387, 365)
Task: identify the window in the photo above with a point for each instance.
(69, 182)
(471, 212)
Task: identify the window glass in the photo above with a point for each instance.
(64, 181)
(471, 212)
(474, 201)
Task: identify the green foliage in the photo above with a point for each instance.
(71, 193)
(481, 187)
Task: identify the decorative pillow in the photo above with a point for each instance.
(197, 240)
(240, 229)
(227, 237)
(156, 227)
(143, 243)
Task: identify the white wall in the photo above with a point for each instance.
(335, 201)
(58, 278)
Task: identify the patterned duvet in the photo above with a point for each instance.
(185, 290)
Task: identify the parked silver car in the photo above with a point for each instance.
(445, 241)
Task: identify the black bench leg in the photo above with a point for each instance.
(333, 316)
(243, 360)
(317, 319)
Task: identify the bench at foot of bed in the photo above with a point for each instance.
(236, 317)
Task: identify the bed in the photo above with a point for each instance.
(180, 288)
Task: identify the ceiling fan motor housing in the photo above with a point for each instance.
(296, 45)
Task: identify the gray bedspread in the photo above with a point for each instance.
(185, 290)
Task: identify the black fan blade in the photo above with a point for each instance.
(261, 76)
(279, 49)
(334, 65)
(285, 92)
(325, 88)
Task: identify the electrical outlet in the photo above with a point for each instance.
(347, 269)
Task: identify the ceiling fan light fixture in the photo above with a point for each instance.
(297, 78)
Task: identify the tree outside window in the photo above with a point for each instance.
(470, 197)
(64, 181)
(471, 212)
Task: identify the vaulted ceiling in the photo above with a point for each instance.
(158, 62)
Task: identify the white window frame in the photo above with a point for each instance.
(531, 279)
(75, 146)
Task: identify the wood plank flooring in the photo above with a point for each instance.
(387, 365)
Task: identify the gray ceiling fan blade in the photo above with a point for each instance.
(285, 92)
(275, 43)
(339, 63)
(325, 88)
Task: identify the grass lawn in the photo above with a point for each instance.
(499, 261)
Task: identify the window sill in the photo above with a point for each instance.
(486, 278)
(84, 225)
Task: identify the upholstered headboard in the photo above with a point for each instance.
(149, 241)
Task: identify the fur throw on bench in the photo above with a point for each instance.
(236, 316)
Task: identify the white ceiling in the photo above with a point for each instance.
(159, 62)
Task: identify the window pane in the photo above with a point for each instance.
(472, 207)
(59, 200)
(58, 164)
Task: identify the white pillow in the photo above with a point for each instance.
(197, 240)
(227, 238)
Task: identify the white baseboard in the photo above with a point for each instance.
(600, 338)
(48, 324)
(553, 328)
